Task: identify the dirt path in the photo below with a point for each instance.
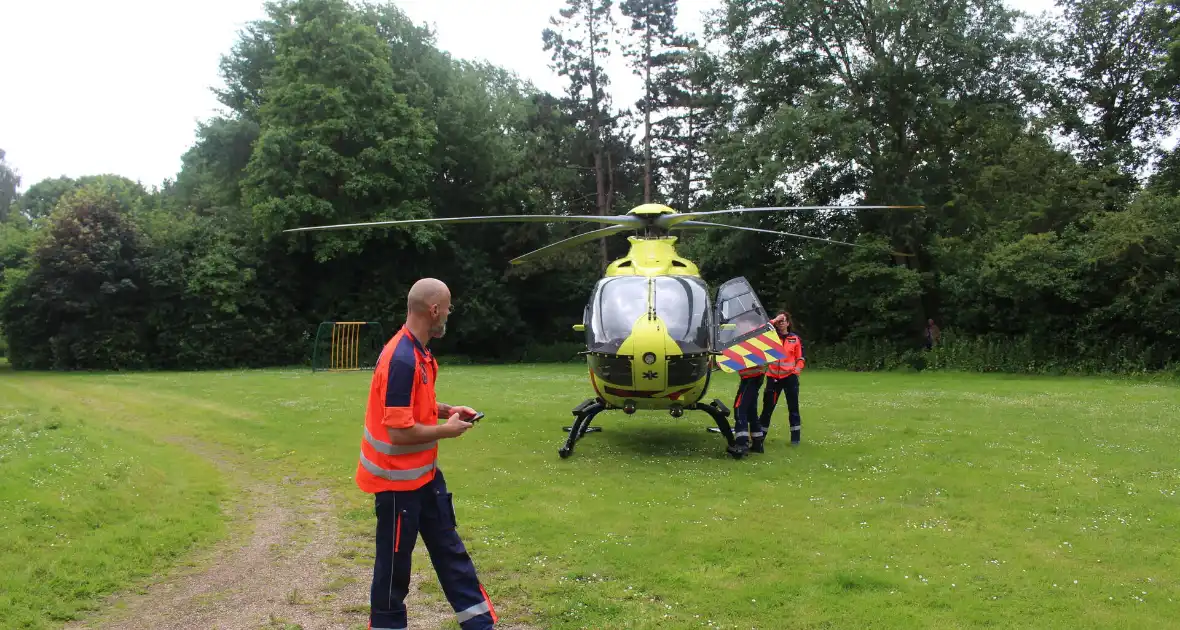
(286, 563)
(280, 568)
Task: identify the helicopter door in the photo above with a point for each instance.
(738, 306)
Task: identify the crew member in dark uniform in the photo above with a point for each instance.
(745, 408)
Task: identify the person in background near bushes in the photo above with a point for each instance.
(933, 334)
(783, 376)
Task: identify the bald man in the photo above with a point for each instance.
(399, 466)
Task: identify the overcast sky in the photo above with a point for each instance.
(119, 86)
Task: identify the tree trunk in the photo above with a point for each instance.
(647, 117)
(610, 200)
(596, 127)
(600, 185)
(688, 166)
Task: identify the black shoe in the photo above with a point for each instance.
(756, 447)
(738, 450)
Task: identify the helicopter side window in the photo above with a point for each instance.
(738, 305)
(614, 307)
(683, 305)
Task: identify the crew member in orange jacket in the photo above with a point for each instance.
(782, 376)
(399, 466)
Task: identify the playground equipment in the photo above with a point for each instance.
(346, 346)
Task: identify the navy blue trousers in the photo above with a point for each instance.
(401, 517)
(745, 407)
(789, 386)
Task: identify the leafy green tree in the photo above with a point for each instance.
(212, 169)
(82, 302)
(1166, 179)
(689, 86)
(337, 144)
(653, 34)
(41, 198)
(1108, 63)
(9, 183)
(864, 102)
(579, 44)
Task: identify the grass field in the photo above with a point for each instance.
(916, 500)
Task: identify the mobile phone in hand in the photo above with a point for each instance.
(477, 418)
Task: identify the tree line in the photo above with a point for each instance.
(1041, 151)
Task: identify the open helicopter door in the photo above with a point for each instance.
(742, 331)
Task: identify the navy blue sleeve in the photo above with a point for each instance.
(401, 375)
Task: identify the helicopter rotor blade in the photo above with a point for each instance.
(670, 220)
(618, 221)
(705, 224)
(573, 241)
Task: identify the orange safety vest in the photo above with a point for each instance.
(793, 362)
(401, 394)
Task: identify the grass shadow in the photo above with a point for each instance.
(679, 438)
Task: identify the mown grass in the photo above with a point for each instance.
(917, 500)
(87, 507)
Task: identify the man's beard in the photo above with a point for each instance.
(439, 329)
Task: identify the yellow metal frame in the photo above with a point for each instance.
(344, 346)
(346, 341)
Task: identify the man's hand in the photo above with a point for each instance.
(452, 428)
(455, 425)
(464, 412)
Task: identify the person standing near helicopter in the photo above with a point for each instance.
(782, 376)
(398, 465)
(745, 407)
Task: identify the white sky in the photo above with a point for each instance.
(119, 86)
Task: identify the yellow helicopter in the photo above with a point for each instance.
(652, 331)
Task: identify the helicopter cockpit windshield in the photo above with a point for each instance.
(682, 302)
(614, 306)
(617, 302)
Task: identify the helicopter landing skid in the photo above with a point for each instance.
(583, 414)
(720, 414)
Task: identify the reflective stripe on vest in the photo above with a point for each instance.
(789, 364)
(395, 475)
(783, 367)
(408, 466)
(385, 448)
